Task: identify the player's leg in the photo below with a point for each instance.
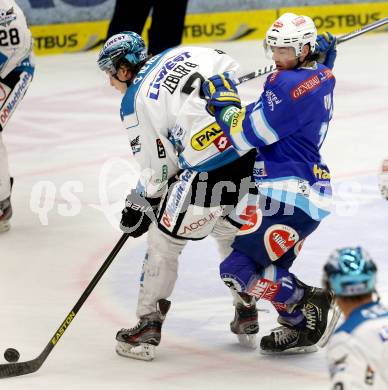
(5, 189)
(12, 90)
(160, 271)
(167, 25)
(245, 322)
(259, 266)
(129, 16)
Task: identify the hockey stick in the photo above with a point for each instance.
(22, 368)
(335, 316)
(271, 68)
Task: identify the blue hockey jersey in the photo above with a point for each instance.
(288, 125)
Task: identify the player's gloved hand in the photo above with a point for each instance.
(220, 91)
(326, 46)
(138, 214)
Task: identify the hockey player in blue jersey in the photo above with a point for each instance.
(287, 126)
(358, 351)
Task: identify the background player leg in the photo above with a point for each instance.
(5, 189)
(129, 16)
(245, 323)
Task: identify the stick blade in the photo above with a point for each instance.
(21, 368)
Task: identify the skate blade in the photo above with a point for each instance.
(335, 316)
(247, 340)
(4, 226)
(144, 352)
(291, 351)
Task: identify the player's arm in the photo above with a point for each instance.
(155, 160)
(259, 124)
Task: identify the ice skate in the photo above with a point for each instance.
(315, 306)
(245, 324)
(5, 214)
(140, 341)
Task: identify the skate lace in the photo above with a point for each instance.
(284, 335)
(311, 317)
(134, 328)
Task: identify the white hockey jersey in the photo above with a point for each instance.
(164, 113)
(15, 37)
(358, 350)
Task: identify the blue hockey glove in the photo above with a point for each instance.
(220, 91)
(327, 46)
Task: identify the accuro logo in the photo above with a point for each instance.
(305, 87)
(205, 137)
(200, 222)
(279, 239)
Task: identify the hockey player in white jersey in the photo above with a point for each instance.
(172, 140)
(16, 72)
(358, 350)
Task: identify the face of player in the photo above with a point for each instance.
(119, 80)
(285, 57)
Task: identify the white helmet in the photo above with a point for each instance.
(292, 30)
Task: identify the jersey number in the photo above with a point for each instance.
(188, 87)
(9, 37)
(325, 125)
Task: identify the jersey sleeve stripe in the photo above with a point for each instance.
(262, 130)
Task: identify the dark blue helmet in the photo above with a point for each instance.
(350, 271)
(128, 45)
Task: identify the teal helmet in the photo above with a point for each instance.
(127, 45)
(349, 272)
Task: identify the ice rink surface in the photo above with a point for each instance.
(70, 159)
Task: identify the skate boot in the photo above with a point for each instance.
(288, 338)
(5, 214)
(139, 342)
(245, 324)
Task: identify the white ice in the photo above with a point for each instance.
(66, 138)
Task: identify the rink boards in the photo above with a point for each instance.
(212, 27)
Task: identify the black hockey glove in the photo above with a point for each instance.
(138, 214)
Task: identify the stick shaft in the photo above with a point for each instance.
(22, 368)
(343, 38)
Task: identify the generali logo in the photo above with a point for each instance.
(305, 87)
